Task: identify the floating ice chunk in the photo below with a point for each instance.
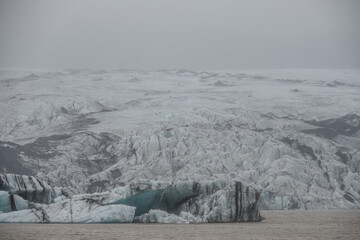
(190, 218)
(87, 211)
(159, 216)
(72, 212)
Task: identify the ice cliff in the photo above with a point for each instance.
(29, 188)
(144, 201)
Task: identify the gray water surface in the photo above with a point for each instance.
(284, 224)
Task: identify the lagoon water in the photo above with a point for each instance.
(322, 224)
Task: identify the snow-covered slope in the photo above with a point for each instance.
(294, 134)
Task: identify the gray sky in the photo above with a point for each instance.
(194, 34)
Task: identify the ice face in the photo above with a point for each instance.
(222, 201)
(28, 187)
(213, 201)
(142, 201)
(5, 203)
(181, 202)
(20, 203)
(168, 199)
(23, 216)
(10, 202)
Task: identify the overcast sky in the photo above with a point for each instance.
(170, 34)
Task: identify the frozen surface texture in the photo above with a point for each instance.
(294, 134)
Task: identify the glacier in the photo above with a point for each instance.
(291, 134)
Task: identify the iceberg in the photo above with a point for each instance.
(212, 201)
(159, 216)
(80, 210)
(23, 216)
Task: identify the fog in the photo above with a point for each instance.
(166, 34)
